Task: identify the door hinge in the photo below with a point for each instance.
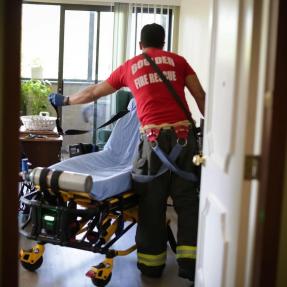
(252, 167)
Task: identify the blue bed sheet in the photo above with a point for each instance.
(111, 167)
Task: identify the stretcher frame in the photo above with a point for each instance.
(75, 220)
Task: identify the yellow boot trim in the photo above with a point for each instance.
(186, 251)
(152, 260)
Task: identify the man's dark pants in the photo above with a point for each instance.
(151, 236)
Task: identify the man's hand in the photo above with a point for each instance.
(58, 100)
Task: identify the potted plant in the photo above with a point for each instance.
(34, 96)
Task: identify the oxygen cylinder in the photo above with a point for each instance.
(68, 181)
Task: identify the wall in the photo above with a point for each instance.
(10, 16)
(195, 38)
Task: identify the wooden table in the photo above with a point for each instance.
(42, 148)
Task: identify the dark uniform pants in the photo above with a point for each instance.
(151, 235)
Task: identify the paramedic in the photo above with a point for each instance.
(161, 116)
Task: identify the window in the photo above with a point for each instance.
(106, 45)
(76, 44)
(87, 59)
(40, 40)
(88, 44)
(72, 47)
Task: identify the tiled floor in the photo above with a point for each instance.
(66, 267)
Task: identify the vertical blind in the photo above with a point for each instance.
(142, 14)
(129, 20)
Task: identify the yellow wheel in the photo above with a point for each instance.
(32, 266)
(32, 259)
(101, 282)
(102, 273)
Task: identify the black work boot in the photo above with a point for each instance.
(153, 272)
(186, 269)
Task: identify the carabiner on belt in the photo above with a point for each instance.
(152, 135)
(182, 133)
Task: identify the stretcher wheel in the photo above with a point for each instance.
(101, 282)
(32, 267)
(102, 273)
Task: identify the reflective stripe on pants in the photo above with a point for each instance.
(185, 251)
(152, 260)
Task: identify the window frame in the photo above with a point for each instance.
(150, 10)
(74, 7)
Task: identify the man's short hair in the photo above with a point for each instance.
(152, 35)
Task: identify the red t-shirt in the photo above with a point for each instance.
(155, 104)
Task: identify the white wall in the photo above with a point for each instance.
(194, 40)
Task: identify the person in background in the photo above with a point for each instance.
(164, 125)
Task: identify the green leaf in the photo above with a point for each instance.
(34, 96)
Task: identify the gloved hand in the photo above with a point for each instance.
(58, 100)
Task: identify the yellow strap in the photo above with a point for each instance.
(186, 251)
(152, 260)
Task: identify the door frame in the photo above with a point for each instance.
(273, 147)
(10, 107)
(271, 189)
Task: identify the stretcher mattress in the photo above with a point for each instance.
(111, 167)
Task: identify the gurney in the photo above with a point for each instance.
(86, 202)
(110, 168)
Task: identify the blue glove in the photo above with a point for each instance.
(57, 99)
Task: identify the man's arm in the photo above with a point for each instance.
(87, 95)
(91, 93)
(195, 88)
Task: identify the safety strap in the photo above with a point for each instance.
(168, 164)
(58, 123)
(171, 165)
(55, 181)
(43, 179)
(147, 178)
(117, 116)
(43, 185)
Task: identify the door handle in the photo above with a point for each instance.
(199, 159)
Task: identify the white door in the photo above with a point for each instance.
(225, 195)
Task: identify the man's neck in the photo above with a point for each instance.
(146, 49)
